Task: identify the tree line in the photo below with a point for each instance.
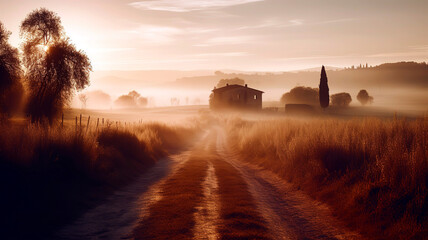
(315, 96)
(47, 72)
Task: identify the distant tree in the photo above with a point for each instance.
(341, 99)
(323, 89)
(83, 99)
(364, 97)
(125, 101)
(11, 89)
(132, 100)
(224, 82)
(98, 99)
(54, 68)
(218, 73)
(175, 101)
(211, 101)
(134, 94)
(301, 95)
(142, 102)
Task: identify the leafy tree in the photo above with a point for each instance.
(341, 99)
(323, 94)
(364, 97)
(301, 95)
(11, 89)
(54, 68)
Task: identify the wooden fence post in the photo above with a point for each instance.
(87, 125)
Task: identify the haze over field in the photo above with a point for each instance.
(213, 119)
(195, 38)
(397, 86)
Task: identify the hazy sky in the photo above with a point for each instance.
(265, 35)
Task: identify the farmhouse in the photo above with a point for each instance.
(237, 97)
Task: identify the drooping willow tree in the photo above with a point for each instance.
(54, 68)
(10, 75)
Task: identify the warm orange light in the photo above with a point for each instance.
(45, 48)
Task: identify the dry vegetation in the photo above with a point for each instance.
(374, 173)
(50, 175)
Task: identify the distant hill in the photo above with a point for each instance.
(318, 69)
(389, 75)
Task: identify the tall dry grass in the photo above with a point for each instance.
(50, 175)
(374, 173)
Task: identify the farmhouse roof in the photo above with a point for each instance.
(233, 86)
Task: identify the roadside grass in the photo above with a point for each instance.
(372, 172)
(240, 219)
(172, 217)
(51, 175)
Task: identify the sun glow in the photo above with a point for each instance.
(45, 48)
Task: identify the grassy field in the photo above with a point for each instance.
(372, 172)
(50, 174)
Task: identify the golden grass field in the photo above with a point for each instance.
(64, 170)
(372, 172)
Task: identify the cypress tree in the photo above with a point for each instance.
(323, 93)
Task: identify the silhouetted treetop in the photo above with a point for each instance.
(54, 67)
(41, 27)
(230, 81)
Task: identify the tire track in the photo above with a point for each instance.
(240, 217)
(290, 214)
(207, 214)
(172, 217)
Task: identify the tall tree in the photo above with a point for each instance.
(54, 68)
(323, 94)
(10, 73)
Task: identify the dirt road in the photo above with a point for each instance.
(208, 193)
